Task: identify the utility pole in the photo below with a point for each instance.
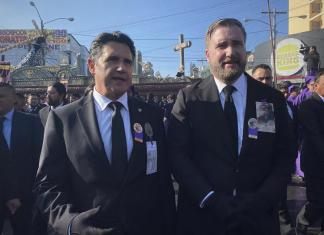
(180, 47)
(273, 36)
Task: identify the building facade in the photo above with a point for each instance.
(61, 48)
(313, 9)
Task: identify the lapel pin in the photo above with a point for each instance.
(253, 128)
(138, 129)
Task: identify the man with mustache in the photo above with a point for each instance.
(103, 164)
(231, 169)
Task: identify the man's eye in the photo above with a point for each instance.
(222, 45)
(128, 62)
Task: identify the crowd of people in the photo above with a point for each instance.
(305, 108)
(105, 163)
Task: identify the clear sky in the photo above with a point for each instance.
(154, 25)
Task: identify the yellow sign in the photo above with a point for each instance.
(288, 59)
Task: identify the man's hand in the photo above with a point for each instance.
(222, 205)
(13, 205)
(85, 224)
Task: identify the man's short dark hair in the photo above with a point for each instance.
(227, 22)
(103, 38)
(284, 85)
(318, 76)
(60, 88)
(261, 66)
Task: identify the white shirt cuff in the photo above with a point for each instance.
(202, 203)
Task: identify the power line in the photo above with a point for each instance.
(159, 17)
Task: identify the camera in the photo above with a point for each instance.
(304, 49)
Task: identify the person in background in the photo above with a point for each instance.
(262, 73)
(311, 117)
(306, 91)
(55, 98)
(312, 59)
(20, 104)
(293, 91)
(20, 143)
(33, 104)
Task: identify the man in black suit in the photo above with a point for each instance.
(311, 117)
(33, 104)
(21, 140)
(103, 167)
(55, 98)
(262, 73)
(231, 163)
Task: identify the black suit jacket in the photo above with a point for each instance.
(202, 159)
(311, 118)
(26, 143)
(74, 174)
(19, 166)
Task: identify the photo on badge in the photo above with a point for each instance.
(265, 117)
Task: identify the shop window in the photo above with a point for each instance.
(316, 7)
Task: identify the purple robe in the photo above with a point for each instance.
(303, 95)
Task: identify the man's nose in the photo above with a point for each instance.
(229, 51)
(121, 66)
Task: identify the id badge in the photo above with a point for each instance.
(265, 117)
(151, 152)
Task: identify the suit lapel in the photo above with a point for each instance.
(209, 93)
(137, 161)
(89, 123)
(250, 111)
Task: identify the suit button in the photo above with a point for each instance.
(236, 171)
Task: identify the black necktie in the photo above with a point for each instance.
(231, 116)
(118, 143)
(4, 149)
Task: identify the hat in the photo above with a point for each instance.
(309, 79)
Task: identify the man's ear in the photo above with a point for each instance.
(91, 65)
(207, 54)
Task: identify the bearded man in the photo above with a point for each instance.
(232, 169)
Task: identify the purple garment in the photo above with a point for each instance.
(292, 98)
(309, 79)
(298, 168)
(303, 95)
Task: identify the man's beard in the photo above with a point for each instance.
(52, 102)
(228, 76)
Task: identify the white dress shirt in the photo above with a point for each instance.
(239, 98)
(7, 126)
(104, 118)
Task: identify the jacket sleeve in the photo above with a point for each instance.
(310, 121)
(52, 182)
(179, 145)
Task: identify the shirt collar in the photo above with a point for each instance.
(240, 84)
(8, 116)
(321, 97)
(104, 101)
